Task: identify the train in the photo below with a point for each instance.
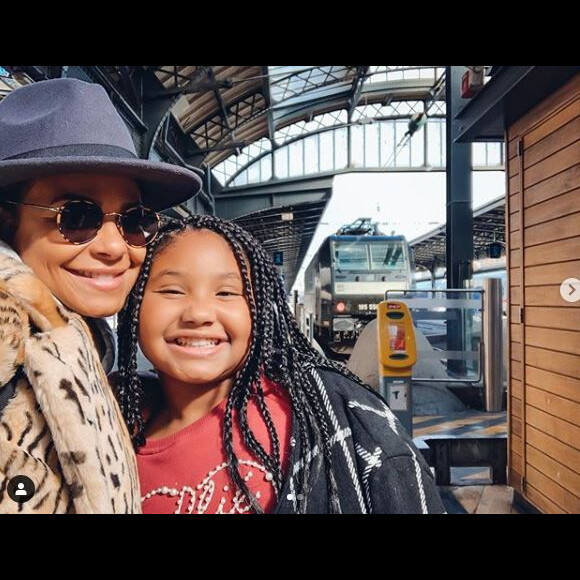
(347, 280)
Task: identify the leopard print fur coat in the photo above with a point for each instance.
(62, 426)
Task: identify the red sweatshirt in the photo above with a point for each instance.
(187, 472)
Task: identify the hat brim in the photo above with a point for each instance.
(163, 185)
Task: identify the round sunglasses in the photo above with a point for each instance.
(79, 222)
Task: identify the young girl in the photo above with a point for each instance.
(243, 415)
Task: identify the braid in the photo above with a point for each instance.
(130, 390)
(278, 350)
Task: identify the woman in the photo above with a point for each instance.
(77, 210)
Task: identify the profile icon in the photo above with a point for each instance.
(21, 489)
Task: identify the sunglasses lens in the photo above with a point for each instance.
(140, 226)
(80, 221)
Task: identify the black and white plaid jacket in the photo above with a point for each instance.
(377, 468)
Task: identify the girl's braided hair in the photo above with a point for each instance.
(278, 350)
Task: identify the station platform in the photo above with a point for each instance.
(468, 453)
(464, 424)
(469, 439)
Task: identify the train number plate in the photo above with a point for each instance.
(367, 307)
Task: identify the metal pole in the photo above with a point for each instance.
(493, 344)
(460, 248)
(459, 188)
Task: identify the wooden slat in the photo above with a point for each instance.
(514, 185)
(554, 208)
(553, 405)
(514, 166)
(516, 389)
(515, 259)
(549, 253)
(516, 221)
(560, 496)
(546, 109)
(514, 203)
(559, 229)
(562, 340)
(561, 430)
(555, 449)
(548, 296)
(553, 187)
(515, 276)
(515, 481)
(516, 427)
(564, 136)
(517, 370)
(516, 333)
(515, 240)
(549, 360)
(517, 352)
(516, 463)
(542, 503)
(516, 409)
(516, 444)
(551, 274)
(551, 106)
(559, 318)
(566, 387)
(560, 161)
(512, 148)
(516, 296)
(552, 125)
(558, 473)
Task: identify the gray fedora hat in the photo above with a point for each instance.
(70, 126)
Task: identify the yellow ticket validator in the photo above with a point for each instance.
(397, 357)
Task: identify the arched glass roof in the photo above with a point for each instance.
(250, 104)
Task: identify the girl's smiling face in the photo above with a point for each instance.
(195, 323)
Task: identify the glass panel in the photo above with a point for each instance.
(449, 334)
(312, 162)
(372, 146)
(297, 159)
(341, 148)
(387, 256)
(351, 256)
(387, 144)
(418, 149)
(266, 168)
(282, 163)
(358, 146)
(326, 151)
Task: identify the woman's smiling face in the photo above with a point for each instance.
(93, 279)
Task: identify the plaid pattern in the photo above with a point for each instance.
(378, 470)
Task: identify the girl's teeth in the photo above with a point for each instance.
(196, 344)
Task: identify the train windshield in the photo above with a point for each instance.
(387, 256)
(381, 256)
(351, 256)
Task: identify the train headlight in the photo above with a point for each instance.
(341, 307)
